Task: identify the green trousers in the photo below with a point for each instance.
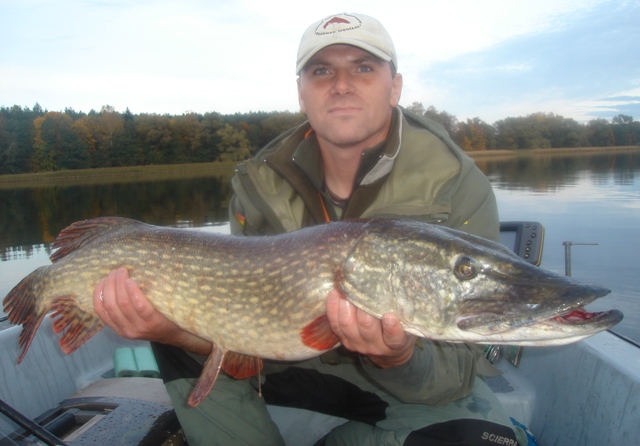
(235, 414)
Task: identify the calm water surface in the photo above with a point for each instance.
(585, 199)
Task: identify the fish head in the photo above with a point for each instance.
(448, 285)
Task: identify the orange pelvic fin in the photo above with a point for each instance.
(78, 325)
(241, 366)
(82, 232)
(22, 306)
(318, 334)
(208, 377)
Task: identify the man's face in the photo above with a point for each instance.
(348, 96)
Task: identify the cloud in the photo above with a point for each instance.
(621, 98)
(583, 56)
(607, 107)
(608, 111)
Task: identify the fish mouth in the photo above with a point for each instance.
(558, 321)
(581, 318)
(562, 329)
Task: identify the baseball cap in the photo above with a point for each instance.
(353, 29)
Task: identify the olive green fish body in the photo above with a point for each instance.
(250, 295)
(264, 297)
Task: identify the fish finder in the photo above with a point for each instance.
(525, 238)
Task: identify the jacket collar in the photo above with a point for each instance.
(376, 163)
(299, 162)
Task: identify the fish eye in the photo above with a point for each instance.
(465, 268)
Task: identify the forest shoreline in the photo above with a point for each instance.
(226, 168)
(556, 151)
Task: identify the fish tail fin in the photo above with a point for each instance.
(78, 325)
(23, 307)
(80, 233)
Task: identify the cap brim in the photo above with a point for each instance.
(357, 43)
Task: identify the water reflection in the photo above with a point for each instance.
(32, 217)
(548, 174)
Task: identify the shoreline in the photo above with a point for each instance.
(559, 151)
(169, 171)
(156, 172)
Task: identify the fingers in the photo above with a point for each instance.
(120, 303)
(393, 334)
(106, 301)
(98, 302)
(139, 302)
(361, 332)
(341, 314)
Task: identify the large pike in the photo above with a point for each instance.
(264, 297)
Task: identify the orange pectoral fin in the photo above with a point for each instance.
(208, 377)
(241, 366)
(318, 334)
(78, 325)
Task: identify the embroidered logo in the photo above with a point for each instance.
(336, 20)
(338, 23)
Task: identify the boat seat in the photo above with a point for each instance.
(123, 411)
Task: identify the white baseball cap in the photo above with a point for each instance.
(357, 30)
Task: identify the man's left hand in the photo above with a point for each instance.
(384, 341)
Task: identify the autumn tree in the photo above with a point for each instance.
(43, 158)
(417, 108)
(626, 131)
(210, 125)
(108, 126)
(446, 120)
(156, 141)
(57, 146)
(539, 131)
(187, 135)
(599, 133)
(234, 144)
(17, 132)
(277, 124)
(82, 127)
(126, 151)
(622, 119)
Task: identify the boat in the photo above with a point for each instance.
(582, 394)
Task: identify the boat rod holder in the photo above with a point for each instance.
(567, 255)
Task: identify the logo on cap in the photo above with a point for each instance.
(338, 23)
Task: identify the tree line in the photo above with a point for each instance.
(37, 140)
(535, 131)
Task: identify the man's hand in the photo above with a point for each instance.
(121, 305)
(384, 341)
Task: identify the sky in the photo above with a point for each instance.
(490, 59)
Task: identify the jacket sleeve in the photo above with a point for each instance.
(473, 205)
(436, 374)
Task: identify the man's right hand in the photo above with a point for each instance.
(121, 304)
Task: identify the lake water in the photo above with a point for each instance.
(582, 199)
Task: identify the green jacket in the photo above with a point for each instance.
(417, 173)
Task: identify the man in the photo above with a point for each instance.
(359, 155)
